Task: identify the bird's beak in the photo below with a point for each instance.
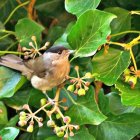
(71, 51)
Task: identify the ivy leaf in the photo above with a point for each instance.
(19, 99)
(10, 82)
(84, 107)
(79, 7)
(3, 113)
(110, 66)
(116, 106)
(89, 32)
(129, 97)
(122, 22)
(9, 133)
(63, 39)
(25, 29)
(121, 127)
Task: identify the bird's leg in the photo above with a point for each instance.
(49, 99)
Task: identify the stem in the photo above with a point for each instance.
(135, 12)
(72, 59)
(41, 108)
(11, 52)
(11, 14)
(116, 43)
(4, 36)
(133, 59)
(70, 97)
(125, 32)
(8, 32)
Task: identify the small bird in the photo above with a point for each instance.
(44, 72)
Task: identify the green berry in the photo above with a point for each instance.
(58, 116)
(22, 118)
(50, 123)
(88, 75)
(30, 128)
(60, 134)
(126, 78)
(70, 88)
(57, 129)
(43, 101)
(126, 71)
(81, 92)
(66, 119)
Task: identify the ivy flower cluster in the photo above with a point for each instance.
(79, 84)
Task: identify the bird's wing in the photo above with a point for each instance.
(42, 64)
(15, 62)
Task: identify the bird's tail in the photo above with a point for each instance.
(14, 62)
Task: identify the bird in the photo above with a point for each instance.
(45, 71)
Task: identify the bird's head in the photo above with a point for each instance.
(61, 50)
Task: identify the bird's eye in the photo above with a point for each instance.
(59, 52)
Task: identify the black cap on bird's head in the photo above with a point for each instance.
(58, 49)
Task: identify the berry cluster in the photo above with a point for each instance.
(130, 77)
(31, 53)
(79, 84)
(50, 107)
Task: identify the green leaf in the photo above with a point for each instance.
(19, 99)
(3, 113)
(122, 22)
(122, 127)
(110, 66)
(9, 81)
(63, 39)
(9, 133)
(89, 32)
(79, 7)
(129, 97)
(84, 107)
(13, 121)
(35, 97)
(25, 29)
(103, 103)
(116, 106)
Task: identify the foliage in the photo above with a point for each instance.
(101, 97)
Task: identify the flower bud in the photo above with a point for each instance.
(88, 75)
(66, 119)
(43, 101)
(30, 128)
(22, 123)
(81, 92)
(71, 134)
(50, 123)
(40, 124)
(33, 38)
(86, 88)
(76, 68)
(22, 113)
(70, 88)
